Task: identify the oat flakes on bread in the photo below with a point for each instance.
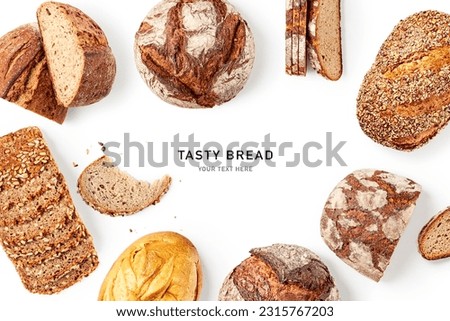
(365, 216)
(24, 75)
(34, 229)
(280, 272)
(434, 238)
(112, 191)
(81, 63)
(404, 99)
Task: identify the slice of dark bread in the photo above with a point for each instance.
(112, 191)
(324, 48)
(434, 238)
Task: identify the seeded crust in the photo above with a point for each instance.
(434, 238)
(24, 76)
(43, 247)
(280, 272)
(365, 216)
(296, 21)
(404, 99)
(114, 192)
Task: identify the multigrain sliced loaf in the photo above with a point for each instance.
(112, 191)
(24, 75)
(434, 238)
(47, 245)
(296, 26)
(324, 48)
(81, 63)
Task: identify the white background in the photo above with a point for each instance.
(227, 214)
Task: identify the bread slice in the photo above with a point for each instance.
(296, 21)
(324, 48)
(111, 191)
(434, 238)
(81, 63)
(24, 75)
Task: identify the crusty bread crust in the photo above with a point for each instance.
(296, 25)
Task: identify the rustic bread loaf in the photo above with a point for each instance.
(296, 21)
(365, 216)
(24, 76)
(324, 48)
(48, 240)
(81, 63)
(195, 53)
(112, 191)
(280, 272)
(434, 238)
(404, 98)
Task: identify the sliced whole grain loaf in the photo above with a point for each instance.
(434, 238)
(24, 75)
(324, 48)
(81, 63)
(112, 191)
(296, 26)
(47, 246)
(365, 216)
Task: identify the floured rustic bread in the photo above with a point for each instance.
(112, 191)
(280, 272)
(196, 53)
(324, 48)
(296, 25)
(434, 238)
(81, 63)
(40, 229)
(365, 216)
(24, 75)
(404, 99)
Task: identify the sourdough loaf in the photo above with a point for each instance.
(434, 238)
(196, 53)
(296, 25)
(81, 63)
(280, 272)
(24, 75)
(404, 98)
(365, 216)
(47, 241)
(112, 191)
(324, 48)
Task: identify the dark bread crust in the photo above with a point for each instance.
(430, 234)
(296, 26)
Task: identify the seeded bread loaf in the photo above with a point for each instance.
(81, 63)
(324, 48)
(404, 99)
(296, 26)
(24, 75)
(112, 191)
(365, 216)
(44, 238)
(434, 238)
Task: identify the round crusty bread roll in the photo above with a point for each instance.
(163, 266)
(280, 272)
(196, 53)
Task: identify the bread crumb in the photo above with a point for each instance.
(74, 164)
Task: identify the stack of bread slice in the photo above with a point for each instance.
(40, 229)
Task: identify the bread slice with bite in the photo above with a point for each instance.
(434, 238)
(112, 191)
(324, 48)
(81, 63)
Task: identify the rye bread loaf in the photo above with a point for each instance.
(194, 53)
(324, 48)
(404, 99)
(81, 63)
(112, 191)
(24, 75)
(434, 238)
(280, 272)
(48, 244)
(296, 26)
(365, 216)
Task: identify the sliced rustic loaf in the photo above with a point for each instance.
(296, 25)
(324, 48)
(112, 191)
(80, 60)
(434, 238)
(24, 75)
